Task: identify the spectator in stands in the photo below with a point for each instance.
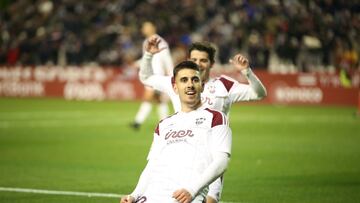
(106, 30)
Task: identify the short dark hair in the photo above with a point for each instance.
(206, 47)
(185, 65)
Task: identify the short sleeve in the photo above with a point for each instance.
(221, 139)
(235, 90)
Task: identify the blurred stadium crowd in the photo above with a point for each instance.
(290, 35)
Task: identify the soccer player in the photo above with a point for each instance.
(219, 93)
(162, 65)
(190, 149)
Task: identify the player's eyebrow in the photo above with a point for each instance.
(200, 59)
(195, 77)
(190, 77)
(184, 78)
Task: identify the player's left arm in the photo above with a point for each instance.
(255, 90)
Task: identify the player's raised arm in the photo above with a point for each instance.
(257, 89)
(151, 48)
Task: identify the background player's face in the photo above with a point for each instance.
(201, 58)
(188, 86)
(148, 29)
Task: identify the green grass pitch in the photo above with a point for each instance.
(280, 153)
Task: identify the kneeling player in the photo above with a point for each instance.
(190, 149)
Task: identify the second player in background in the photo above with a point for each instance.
(162, 64)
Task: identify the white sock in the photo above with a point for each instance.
(143, 112)
(163, 110)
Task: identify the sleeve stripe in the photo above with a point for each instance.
(218, 118)
(157, 130)
(227, 83)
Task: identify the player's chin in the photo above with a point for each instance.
(193, 101)
(192, 97)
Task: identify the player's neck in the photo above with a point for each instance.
(205, 78)
(150, 34)
(190, 107)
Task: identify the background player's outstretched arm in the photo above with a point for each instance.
(146, 70)
(257, 90)
(146, 74)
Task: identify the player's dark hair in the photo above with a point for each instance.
(206, 47)
(185, 65)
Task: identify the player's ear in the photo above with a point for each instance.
(173, 85)
(176, 90)
(202, 86)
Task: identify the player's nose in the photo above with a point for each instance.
(197, 62)
(190, 84)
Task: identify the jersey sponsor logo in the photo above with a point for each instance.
(178, 134)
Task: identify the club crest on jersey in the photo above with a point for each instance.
(211, 89)
(199, 121)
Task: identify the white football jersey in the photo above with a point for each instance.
(182, 149)
(162, 63)
(219, 93)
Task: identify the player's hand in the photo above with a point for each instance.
(240, 62)
(182, 196)
(127, 199)
(152, 45)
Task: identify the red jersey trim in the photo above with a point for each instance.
(157, 131)
(217, 119)
(227, 83)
